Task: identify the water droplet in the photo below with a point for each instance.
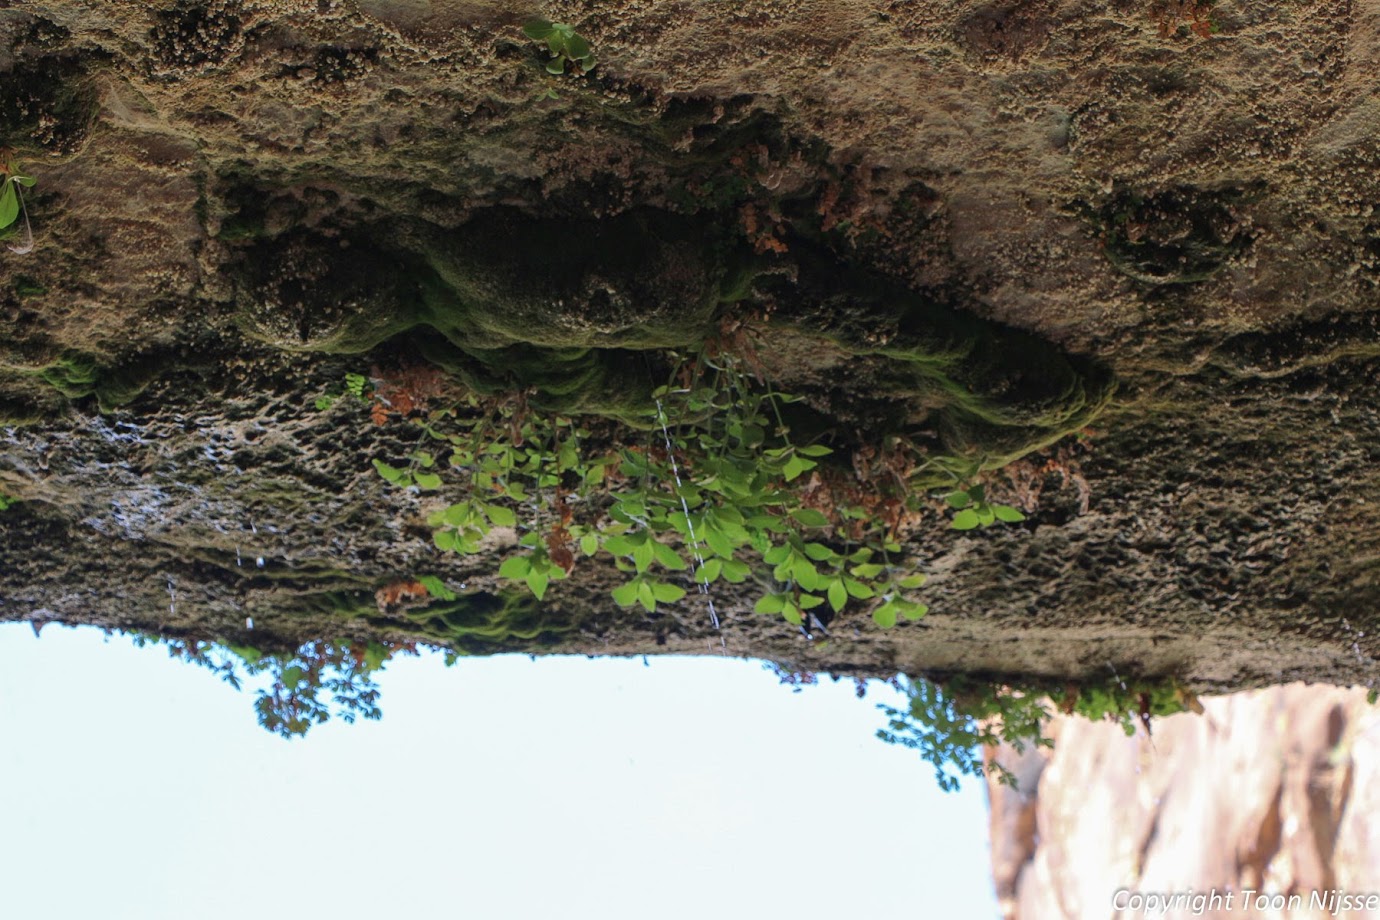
(260, 562)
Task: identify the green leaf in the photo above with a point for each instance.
(436, 588)
(567, 458)
(867, 570)
(966, 519)
(859, 590)
(814, 450)
(625, 595)
(390, 473)
(501, 515)
(619, 545)
(643, 555)
(355, 384)
(794, 467)
(292, 677)
(537, 581)
(445, 540)
(428, 480)
(719, 543)
(375, 654)
(515, 568)
(792, 614)
(9, 205)
(911, 610)
(667, 594)
(810, 600)
(589, 544)
(26, 181)
(735, 571)
(776, 555)
(668, 557)
(577, 47)
(710, 571)
(805, 573)
(770, 603)
(556, 65)
(809, 517)
(912, 581)
(647, 596)
(885, 615)
(838, 595)
(958, 499)
(1008, 514)
(819, 552)
(537, 29)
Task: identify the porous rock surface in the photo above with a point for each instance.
(240, 200)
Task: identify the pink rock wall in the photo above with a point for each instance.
(1270, 791)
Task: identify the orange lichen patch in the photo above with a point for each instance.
(1197, 14)
(404, 390)
(399, 594)
(762, 235)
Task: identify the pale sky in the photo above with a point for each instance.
(134, 786)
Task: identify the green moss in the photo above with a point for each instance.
(484, 623)
(476, 623)
(643, 280)
(76, 376)
(611, 383)
(24, 286)
(987, 392)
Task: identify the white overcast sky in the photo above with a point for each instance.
(134, 786)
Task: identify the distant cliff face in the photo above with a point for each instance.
(1273, 791)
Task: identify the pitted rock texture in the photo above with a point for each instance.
(238, 202)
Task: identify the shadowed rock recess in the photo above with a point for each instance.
(1116, 268)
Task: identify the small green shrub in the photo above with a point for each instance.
(715, 489)
(356, 387)
(565, 46)
(975, 511)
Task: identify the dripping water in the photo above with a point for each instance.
(703, 583)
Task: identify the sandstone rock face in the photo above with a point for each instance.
(1270, 791)
(947, 222)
